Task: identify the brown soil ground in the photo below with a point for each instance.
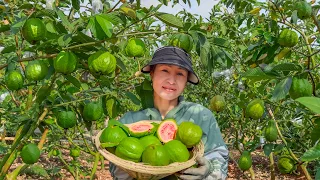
(260, 167)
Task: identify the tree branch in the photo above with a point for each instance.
(114, 6)
(315, 20)
(31, 59)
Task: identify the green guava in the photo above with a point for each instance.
(130, 148)
(149, 140)
(189, 134)
(178, 152)
(156, 155)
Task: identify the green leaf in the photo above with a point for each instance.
(229, 59)
(133, 98)
(113, 17)
(287, 67)
(199, 39)
(26, 6)
(169, 19)
(221, 42)
(64, 40)
(108, 144)
(223, 27)
(256, 74)
(147, 85)
(281, 89)
(218, 55)
(146, 97)
(73, 90)
(112, 106)
(36, 170)
(249, 21)
(83, 38)
(42, 94)
(267, 36)
(106, 80)
(60, 28)
(121, 64)
(268, 148)
(105, 25)
(4, 28)
(64, 19)
(205, 55)
(96, 29)
(3, 149)
(8, 49)
(51, 28)
(318, 174)
(312, 103)
(165, 2)
(211, 61)
(128, 12)
(73, 80)
(282, 54)
(315, 133)
(312, 154)
(46, 12)
(294, 17)
(15, 28)
(76, 4)
(113, 122)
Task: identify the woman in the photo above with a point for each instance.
(170, 70)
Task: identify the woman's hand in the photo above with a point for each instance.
(201, 172)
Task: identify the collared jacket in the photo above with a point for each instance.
(215, 149)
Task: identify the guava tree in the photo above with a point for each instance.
(67, 68)
(264, 59)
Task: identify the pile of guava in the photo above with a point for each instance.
(155, 144)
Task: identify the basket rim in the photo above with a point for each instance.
(198, 150)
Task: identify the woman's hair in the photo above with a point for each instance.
(152, 68)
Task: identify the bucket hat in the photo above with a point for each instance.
(175, 56)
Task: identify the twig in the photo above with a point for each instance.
(18, 52)
(31, 59)
(314, 53)
(95, 165)
(114, 6)
(11, 94)
(134, 23)
(313, 84)
(43, 138)
(303, 167)
(315, 20)
(14, 99)
(272, 166)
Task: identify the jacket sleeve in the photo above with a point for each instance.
(215, 148)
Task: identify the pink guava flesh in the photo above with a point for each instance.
(167, 132)
(141, 128)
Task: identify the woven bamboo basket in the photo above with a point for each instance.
(142, 171)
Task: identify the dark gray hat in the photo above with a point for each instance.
(175, 56)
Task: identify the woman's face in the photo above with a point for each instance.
(168, 81)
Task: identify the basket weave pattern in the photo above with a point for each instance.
(142, 171)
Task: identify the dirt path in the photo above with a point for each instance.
(57, 170)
